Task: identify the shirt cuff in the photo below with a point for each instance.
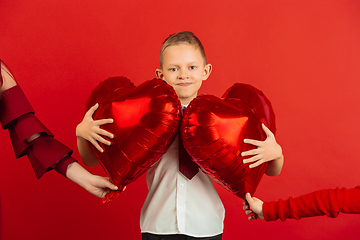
(62, 165)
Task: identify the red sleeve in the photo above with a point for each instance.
(22, 128)
(13, 105)
(61, 166)
(329, 202)
(45, 152)
(17, 115)
(0, 220)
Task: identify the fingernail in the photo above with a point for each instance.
(244, 161)
(112, 136)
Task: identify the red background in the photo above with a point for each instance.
(304, 55)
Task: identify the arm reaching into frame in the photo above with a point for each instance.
(329, 202)
(96, 185)
(30, 137)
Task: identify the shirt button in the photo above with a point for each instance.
(182, 185)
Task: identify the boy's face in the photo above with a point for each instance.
(184, 69)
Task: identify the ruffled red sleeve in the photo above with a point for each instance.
(13, 105)
(45, 152)
(22, 128)
(329, 202)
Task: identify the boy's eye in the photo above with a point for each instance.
(172, 69)
(192, 67)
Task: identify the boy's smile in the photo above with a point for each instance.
(184, 69)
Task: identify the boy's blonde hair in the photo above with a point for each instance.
(182, 37)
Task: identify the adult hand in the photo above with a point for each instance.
(96, 185)
(253, 207)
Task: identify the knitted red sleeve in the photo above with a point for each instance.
(329, 202)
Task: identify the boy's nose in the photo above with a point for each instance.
(183, 75)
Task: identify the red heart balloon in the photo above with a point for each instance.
(213, 130)
(146, 121)
(256, 100)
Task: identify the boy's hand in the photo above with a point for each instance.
(90, 130)
(267, 150)
(253, 207)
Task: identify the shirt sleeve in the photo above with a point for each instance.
(329, 202)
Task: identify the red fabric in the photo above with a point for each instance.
(0, 220)
(22, 128)
(17, 115)
(329, 202)
(61, 166)
(44, 152)
(13, 104)
(186, 166)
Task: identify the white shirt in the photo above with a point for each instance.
(177, 205)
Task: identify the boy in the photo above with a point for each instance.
(177, 207)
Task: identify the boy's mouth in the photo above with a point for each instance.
(185, 84)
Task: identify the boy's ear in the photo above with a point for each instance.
(159, 74)
(207, 71)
